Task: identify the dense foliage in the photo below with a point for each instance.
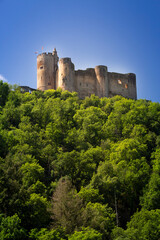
(78, 169)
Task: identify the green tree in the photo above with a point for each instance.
(31, 173)
(10, 228)
(86, 234)
(37, 212)
(11, 194)
(144, 225)
(45, 234)
(122, 177)
(4, 91)
(90, 121)
(151, 196)
(89, 194)
(100, 217)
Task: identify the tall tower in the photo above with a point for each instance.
(47, 66)
(66, 74)
(102, 81)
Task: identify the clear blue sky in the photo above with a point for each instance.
(121, 34)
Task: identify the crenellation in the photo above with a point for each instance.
(96, 80)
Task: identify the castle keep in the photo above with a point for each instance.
(96, 80)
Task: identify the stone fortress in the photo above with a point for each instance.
(96, 80)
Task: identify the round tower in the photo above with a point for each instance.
(132, 89)
(102, 81)
(47, 66)
(66, 74)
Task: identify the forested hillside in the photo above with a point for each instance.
(78, 169)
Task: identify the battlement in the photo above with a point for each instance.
(101, 67)
(45, 54)
(88, 71)
(96, 80)
(41, 54)
(66, 61)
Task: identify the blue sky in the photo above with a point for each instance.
(121, 34)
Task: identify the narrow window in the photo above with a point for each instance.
(80, 84)
(126, 86)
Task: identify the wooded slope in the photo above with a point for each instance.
(78, 169)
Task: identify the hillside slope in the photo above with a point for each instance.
(78, 169)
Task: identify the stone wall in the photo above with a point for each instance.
(85, 82)
(122, 84)
(96, 80)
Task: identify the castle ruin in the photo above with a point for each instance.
(96, 80)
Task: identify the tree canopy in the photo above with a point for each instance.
(78, 169)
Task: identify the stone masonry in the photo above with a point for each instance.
(96, 80)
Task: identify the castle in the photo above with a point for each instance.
(96, 80)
